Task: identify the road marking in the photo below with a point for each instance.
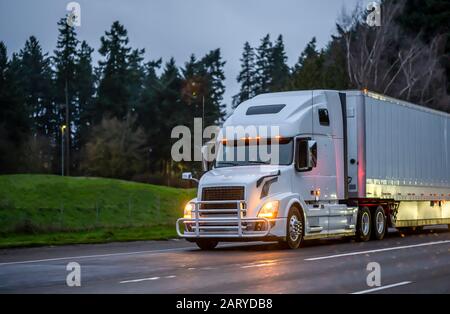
(147, 279)
(259, 265)
(383, 287)
(94, 256)
(377, 250)
(151, 252)
(140, 280)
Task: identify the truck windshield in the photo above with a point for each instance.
(252, 152)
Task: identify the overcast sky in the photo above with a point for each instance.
(178, 28)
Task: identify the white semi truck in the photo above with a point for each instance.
(350, 163)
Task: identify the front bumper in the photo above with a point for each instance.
(233, 224)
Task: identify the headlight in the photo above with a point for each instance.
(188, 210)
(269, 210)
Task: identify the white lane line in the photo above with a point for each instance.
(141, 279)
(377, 250)
(147, 279)
(383, 287)
(94, 256)
(259, 265)
(151, 252)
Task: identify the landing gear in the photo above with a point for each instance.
(364, 225)
(294, 229)
(206, 245)
(379, 224)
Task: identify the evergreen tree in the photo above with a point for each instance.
(307, 73)
(35, 76)
(14, 117)
(247, 77)
(171, 106)
(149, 115)
(114, 91)
(334, 72)
(148, 112)
(36, 81)
(84, 89)
(136, 76)
(279, 67)
(264, 65)
(194, 89)
(213, 68)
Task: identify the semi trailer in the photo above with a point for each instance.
(350, 163)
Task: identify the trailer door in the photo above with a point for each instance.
(356, 145)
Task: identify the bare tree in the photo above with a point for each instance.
(388, 60)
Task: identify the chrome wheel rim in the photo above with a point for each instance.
(295, 228)
(380, 222)
(365, 223)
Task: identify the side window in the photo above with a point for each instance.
(306, 154)
(324, 118)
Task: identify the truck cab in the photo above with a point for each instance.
(290, 198)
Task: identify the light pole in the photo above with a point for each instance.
(63, 128)
(203, 115)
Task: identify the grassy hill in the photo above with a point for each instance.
(47, 209)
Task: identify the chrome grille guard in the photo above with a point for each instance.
(221, 227)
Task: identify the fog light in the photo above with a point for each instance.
(188, 211)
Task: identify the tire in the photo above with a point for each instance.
(364, 225)
(379, 224)
(294, 238)
(206, 245)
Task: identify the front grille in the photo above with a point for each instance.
(227, 193)
(221, 193)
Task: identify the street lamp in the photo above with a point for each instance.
(63, 129)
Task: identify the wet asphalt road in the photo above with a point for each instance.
(412, 263)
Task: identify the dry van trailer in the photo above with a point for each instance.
(398, 158)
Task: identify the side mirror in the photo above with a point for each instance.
(305, 154)
(188, 176)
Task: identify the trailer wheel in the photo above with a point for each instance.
(206, 245)
(294, 229)
(364, 225)
(379, 223)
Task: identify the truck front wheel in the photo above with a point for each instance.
(294, 229)
(364, 225)
(206, 245)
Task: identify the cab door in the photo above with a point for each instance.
(305, 183)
